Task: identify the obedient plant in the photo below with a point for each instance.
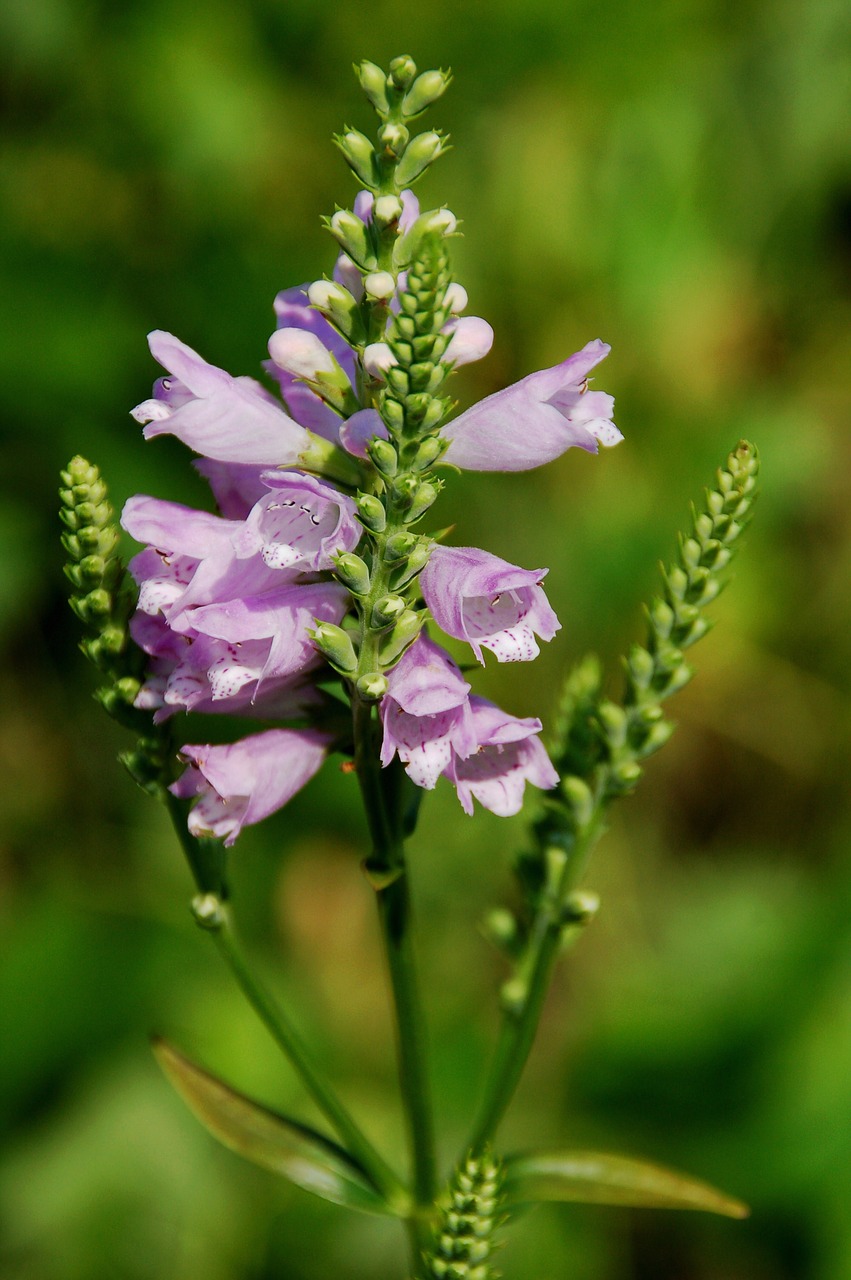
(312, 603)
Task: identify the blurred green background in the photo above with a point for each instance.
(673, 178)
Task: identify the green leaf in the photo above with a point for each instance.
(267, 1139)
(594, 1177)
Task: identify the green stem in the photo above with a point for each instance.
(389, 877)
(525, 994)
(220, 924)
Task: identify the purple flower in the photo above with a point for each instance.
(509, 756)
(488, 602)
(293, 311)
(536, 419)
(426, 713)
(236, 486)
(224, 418)
(300, 524)
(243, 782)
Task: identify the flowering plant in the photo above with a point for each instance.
(311, 604)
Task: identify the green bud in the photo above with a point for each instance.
(398, 380)
(336, 646)
(399, 547)
(613, 722)
(416, 562)
(353, 573)
(359, 154)
(579, 797)
(425, 90)
(419, 154)
(656, 738)
(386, 211)
(513, 995)
(402, 71)
(623, 777)
(373, 81)
(392, 413)
(384, 457)
(404, 632)
(580, 907)
(434, 222)
(428, 453)
(500, 927)
(386, 611)
(338, 306)
(393, 138)
(207, 910)
(371, 512)
(352, 235)
(423, 499)
(372, 686)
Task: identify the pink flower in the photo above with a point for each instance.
(509, 755)
(426, 713)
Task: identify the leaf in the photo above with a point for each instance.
(267, 1139)
(594, 1177)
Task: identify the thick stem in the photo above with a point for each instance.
(388, 875)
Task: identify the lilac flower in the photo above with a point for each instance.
(236, 486)
(243, 782)
(426, 713)
(509, 756)
(536, 419)
(472, 339)
(300, 524)
(225, 418)
(488, 602)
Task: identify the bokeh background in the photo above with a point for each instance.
(671, 177)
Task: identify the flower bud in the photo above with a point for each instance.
(372, 686)
(419, 154)
(387, 210)
(371, 512)
(500, 927)
(423, 499)
(384, 457)
(394, 138)
(373, 81)
(387, 610)
(338, 305)
(300, 353)
(437, 222)
(352, 236)
(398, 380)
(377, 359)
(336, 646)
(399, 547)
(455, 298)
(402, 71)
(353, 573)
(613, 722)
(207, 910)
(580, 907)
(416, 562)
(579, 797)
(404, 632)
(380, 285)
(425, 90)
(359, 155)
(428, 453)
(392, 413)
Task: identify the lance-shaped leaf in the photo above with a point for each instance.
(595, 1177)
(267, 1139)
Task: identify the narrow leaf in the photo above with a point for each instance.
(267, 1139)
(594, 1177)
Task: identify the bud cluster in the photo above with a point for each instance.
(464, 1245)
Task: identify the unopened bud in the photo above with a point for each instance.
(580, 907)
(402, 71)
(380, 285)
(419, 154)
(338, 305)
(455, 299)
(423, 499)
(371, 512)
(500, 927)
(425, 90)
(300, 353)
(392, 413)
(579, 797)
(207, 910)
(428, 453)
(387, 610)
(384, 456)
(394, 137)
(353, 573)
(359, 155)
(415, 563)
(372, 686)
(399, 547)
(404, 632)
(613, 721)
(353, 237)
(377, 359)
(373, 81)
(335, 644)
